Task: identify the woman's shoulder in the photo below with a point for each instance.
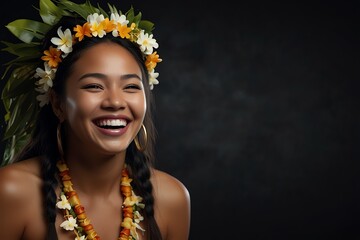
(168, 187)
(20, 197)
(172, 205)
(17, 178)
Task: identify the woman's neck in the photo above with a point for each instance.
(95, 174)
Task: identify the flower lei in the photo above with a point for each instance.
(75, 216)
(96, 26)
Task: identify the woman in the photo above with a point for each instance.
(87, 171)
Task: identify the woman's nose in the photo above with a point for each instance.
(114, 99)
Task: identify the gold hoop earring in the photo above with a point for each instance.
(137, 143)
(59, 142)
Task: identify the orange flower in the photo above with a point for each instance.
(152, 60)
(82, 31)
(52, 57)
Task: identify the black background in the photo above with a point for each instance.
(257, 113)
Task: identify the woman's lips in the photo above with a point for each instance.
(112, 131)
(112, 126)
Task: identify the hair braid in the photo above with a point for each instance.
(48, 171)
(142, 184)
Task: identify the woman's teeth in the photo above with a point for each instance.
(112, 123)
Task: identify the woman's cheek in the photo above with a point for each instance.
(71, 107)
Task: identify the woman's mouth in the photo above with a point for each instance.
(111, 123)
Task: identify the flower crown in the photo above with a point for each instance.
(30, 75)
(97, 25)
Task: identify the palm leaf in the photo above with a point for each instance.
(26, 30)
(83, 9)
(21, 49)
(49, 12)
(21, 114)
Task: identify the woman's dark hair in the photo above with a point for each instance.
(43, 141)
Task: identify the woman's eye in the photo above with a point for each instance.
(133, 86)
(93, 86)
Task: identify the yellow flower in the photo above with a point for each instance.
(152, 60)
(97, 25)
(133, 200)
(125, 181)
(123, 30)
(108, 25)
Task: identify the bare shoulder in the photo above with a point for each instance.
(15, 178)
(168, 188)
(172, 206)
(20, 186)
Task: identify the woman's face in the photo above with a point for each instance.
(105, 100)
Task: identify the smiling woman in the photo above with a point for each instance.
(84, 136)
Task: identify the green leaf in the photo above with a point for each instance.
(20, 81)
(130, 15)
(147, 26)
(103, 12)
(137, 18)
(21, 49)
(49, 12)
(112, 8)
(22, 112)
(83, 9)
(26, 30)
(13, 146)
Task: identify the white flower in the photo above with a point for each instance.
(96, 28)
(146, 42)
(69, 224)
(63, 203)
(64, 43)
(138, 217)
(118, 19)
(95, 18)
(46, 76)
(153, 78)
(43, 98)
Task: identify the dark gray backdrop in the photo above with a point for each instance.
(257, 113)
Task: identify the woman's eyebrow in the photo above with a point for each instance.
(103, 76)
(93, 75)
(129, 76)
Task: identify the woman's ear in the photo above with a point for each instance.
(57, 105)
